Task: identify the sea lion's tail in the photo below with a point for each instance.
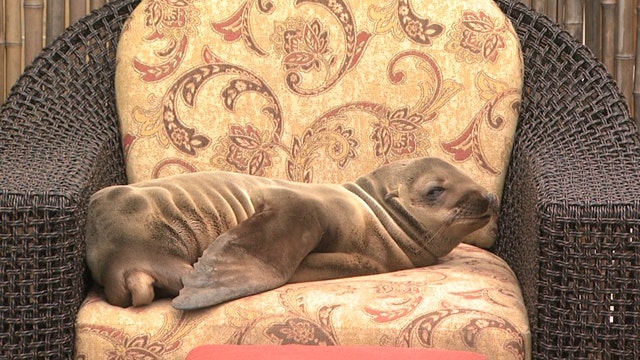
(140, 285)
(126, 286)
(135, 288)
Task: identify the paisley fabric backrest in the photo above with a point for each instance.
(322, 91)
(318, 90)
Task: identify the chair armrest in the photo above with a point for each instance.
(59, 142)
(570, 216)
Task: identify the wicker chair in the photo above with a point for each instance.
(568, 228)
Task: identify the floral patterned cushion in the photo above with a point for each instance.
(322, 91)
(470, 301)
(318, 91)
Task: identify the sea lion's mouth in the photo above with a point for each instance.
(460, 216)
(472, 218)
(483, 209)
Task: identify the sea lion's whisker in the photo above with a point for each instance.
(448, 221)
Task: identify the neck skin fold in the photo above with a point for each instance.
(405, 238)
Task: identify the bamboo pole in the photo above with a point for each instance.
(3, 51)
(593, 27)
(14, 42)
(55, 19)
(625, 44)
(539, 6)
(552, 10)
(96, 4)
(608, 34)
(33, 12)
(560, 11)
(636, 92)
(573, 18)
(77, 9)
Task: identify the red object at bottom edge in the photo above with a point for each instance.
(272, 352)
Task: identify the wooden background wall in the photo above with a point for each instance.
(26, 26)
(608, 27)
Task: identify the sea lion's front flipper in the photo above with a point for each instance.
(259, 254)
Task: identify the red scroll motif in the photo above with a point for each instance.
(236, 27)
(171, 21)
(469, 144)
(419, 30)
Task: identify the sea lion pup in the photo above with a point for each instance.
(210, 237)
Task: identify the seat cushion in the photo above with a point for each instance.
(322, 91)
(267, 352)
(470, 301)
(318, 91)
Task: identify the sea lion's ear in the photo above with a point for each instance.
(384, 180)
(390, 194)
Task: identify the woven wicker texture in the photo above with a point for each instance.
(568, 228)
(570, 217)
(58, 144)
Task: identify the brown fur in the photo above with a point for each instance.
(157, 237)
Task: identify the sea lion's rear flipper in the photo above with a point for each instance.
(259, 254)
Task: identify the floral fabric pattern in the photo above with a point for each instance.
(469, 301)
(317, 91)
(477, 37)
(322, 91)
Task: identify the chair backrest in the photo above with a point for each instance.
(317, 91)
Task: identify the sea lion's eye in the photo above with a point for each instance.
(434, 193)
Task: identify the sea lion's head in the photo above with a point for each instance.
(432, 201)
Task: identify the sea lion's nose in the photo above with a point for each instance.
(493, 201)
